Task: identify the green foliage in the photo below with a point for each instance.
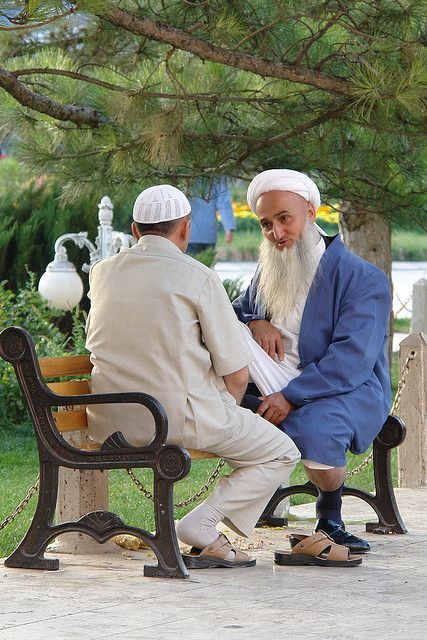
(13, 177)
(246, 224)
(25, 309)
(207, 257)
(233, 287)
(77, 340)
(168, 115)
(407, 245)
(402, 325)
(28, 310)
(245, 246)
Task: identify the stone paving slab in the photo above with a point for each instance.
(106, 596)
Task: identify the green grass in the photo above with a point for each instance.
(402, 325)
(19, 467)
(406, 245)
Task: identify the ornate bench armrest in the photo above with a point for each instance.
(154, 406)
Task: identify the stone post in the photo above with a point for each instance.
(412, 454)
(419, 306)
(80, 491)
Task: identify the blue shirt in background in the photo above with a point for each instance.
(203, 214)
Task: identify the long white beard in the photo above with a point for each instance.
(286, 275)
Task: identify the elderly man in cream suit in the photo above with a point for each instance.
(161, 322)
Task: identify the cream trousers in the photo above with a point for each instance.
(262, 457)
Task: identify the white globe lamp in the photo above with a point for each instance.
(61, 285)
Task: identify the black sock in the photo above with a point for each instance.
(328, 504)
(251, 402)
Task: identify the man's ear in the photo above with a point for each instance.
(311, 212)
(135, 231)
(185, 228)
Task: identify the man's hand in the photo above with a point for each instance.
(228, 236)
(275, 408)
(268, 338)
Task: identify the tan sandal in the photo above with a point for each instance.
(214, 556)
(318, 549)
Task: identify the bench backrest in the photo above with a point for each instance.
(68, 367)
(74, 367)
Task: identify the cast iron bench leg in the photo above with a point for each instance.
(30, 552)
(165, 543)
(383, 501)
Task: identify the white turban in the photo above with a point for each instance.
(283, 180)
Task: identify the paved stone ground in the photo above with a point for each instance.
(106, 596)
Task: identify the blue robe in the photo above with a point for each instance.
(343, 393)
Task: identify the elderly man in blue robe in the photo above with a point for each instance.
(316, 318)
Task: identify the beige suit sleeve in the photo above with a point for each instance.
(221, 330)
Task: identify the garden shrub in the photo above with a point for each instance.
(28, 310)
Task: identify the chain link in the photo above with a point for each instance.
(203, 489)
(403, 305)
(21, 506)
(367, 461)
(214, 475)
(395, 408)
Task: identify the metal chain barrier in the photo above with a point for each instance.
(395, 407)
(203, 489)
(403, 305)
(21, 506)
(214, 475)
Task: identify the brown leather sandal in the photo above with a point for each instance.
(214, 556)
(318, 549)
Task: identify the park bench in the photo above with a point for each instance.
(169, 463)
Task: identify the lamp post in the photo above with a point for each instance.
(61, 285)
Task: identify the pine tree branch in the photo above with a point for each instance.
(43, 104)
(31, 47)
(301, 128)
(203, 97)
(316, 37)
(253, 34)
(186, 42)
(68, 74)
(28, 26)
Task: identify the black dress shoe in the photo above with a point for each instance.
(340, 536)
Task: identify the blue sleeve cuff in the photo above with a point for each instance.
(292, 397)
(248, 317)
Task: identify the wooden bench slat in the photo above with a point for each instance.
(71, 420)
(65, 366)
(70, 388)
(201, 455)
(90, 446)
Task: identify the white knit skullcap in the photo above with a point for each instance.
(283, 180)
(160, 203)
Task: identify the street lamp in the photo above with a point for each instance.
(61, 285)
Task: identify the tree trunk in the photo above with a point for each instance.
(369, 236)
